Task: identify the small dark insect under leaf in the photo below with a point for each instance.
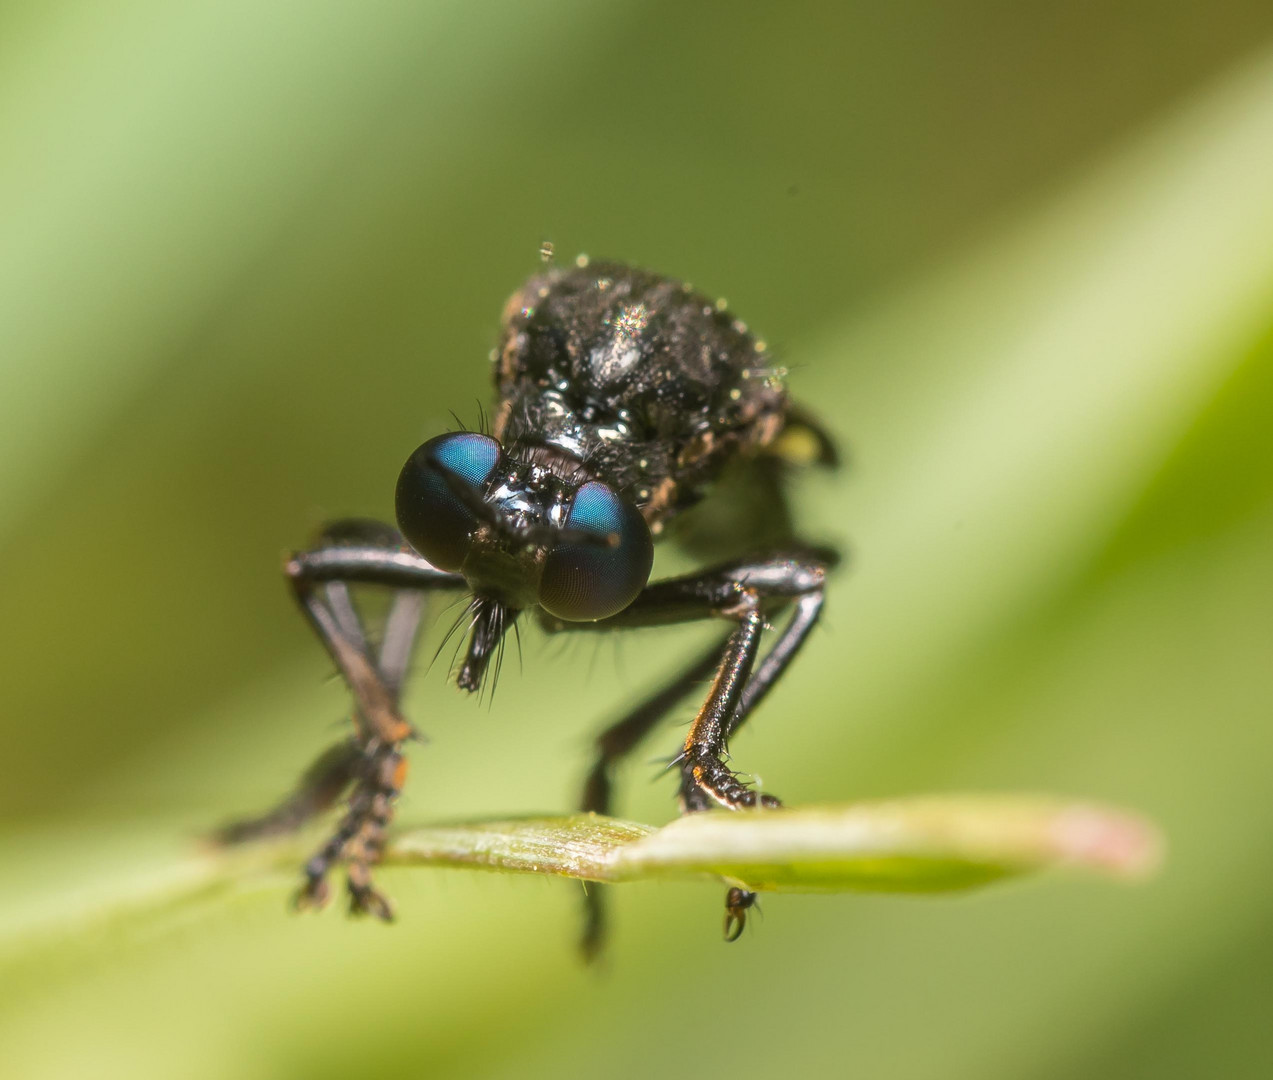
(624, 400)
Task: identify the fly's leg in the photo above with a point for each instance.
(742, 592)
(737, 903)
(614, 744)
(363, 553)
(707, 741)
(808, 610)
(620, 739)
(359, 837)
(705, 779)
(317, 790)
(332, 772)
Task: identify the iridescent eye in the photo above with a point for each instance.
(585, 580)
(432, 513)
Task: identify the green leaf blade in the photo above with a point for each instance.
(925, 845)
(578, 846)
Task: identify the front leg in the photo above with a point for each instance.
(365, 553)
(704, 776)
(741, 592)
(613, 745)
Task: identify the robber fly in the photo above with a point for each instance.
(624, 398)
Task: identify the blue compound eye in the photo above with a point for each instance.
(586, 579)
(432, 514)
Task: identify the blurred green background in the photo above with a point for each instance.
(1019, 255)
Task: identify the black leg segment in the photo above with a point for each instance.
(746, 593)
(613, 745)
(371, 764)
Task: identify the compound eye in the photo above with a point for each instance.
(586, 579)
(432, 512)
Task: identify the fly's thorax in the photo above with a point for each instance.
(652, 385)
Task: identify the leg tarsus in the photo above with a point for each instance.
(315, 893)
(707, 782)
(737, 903)
(364, 897)
(359, 838)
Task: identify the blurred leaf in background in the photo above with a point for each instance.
(1020, 256)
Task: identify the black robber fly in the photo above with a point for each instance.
(630, 408)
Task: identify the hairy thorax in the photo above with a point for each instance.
(633, 379)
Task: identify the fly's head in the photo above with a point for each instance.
(521, 536)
